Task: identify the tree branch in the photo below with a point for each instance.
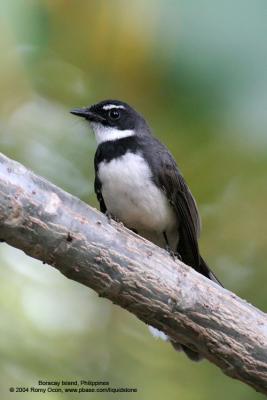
(57, 228)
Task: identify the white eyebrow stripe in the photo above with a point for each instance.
(110, 106)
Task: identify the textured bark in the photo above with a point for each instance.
(57, 228)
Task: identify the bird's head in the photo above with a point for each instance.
(112, 119)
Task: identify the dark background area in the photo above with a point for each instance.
(197, 72)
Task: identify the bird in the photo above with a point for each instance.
(138, 182)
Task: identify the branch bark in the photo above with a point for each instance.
(59, 229)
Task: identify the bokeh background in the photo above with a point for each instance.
(197, 70)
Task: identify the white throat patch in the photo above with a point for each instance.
(106, 133)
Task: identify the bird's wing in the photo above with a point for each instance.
(182, 201)
(98, 185)
(99, 196)
(166, 175)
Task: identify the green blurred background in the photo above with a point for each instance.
(197, 70)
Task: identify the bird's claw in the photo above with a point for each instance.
(174, 254)
(111, 217)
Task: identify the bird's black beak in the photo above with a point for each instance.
(87, 114)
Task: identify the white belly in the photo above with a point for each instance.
(132, 197)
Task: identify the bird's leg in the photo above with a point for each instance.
(109, 217)
(167, 246)
(172, 253)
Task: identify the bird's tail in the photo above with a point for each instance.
(192, 354)
(206, 271)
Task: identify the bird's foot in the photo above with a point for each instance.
(171, 252)
(111, 217)
(174, 254)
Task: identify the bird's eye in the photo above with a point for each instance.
(114, 114)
